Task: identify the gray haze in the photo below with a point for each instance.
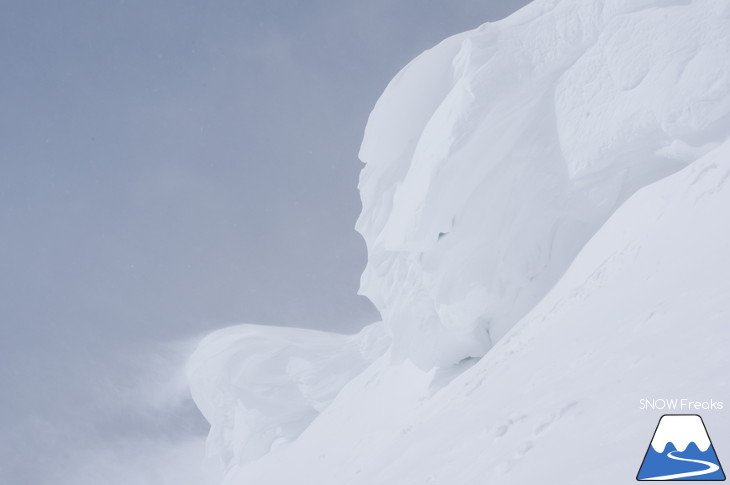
(168, 168)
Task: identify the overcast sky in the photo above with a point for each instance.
(168, 168)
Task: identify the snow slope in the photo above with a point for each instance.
(545, 206)
(528, 134)
(642, 312)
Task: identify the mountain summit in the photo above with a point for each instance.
(680, 430)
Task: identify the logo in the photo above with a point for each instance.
(680, 450)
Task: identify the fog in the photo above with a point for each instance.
(166, 169)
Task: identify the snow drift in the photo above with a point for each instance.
(260, 385)
(528, 133)
(503, 222)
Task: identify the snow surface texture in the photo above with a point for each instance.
(259, 385)
(528, 133)
(505, 219)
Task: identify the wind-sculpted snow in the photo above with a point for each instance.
(494, 157)
(642, 312)
(258, 385)
(548, 192)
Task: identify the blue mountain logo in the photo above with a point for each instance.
(680, 450)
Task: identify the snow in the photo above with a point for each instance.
(549, 121)
(258, 385)
(545, 210)
(642, 312)
(681, 430)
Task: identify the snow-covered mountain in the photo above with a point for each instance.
(545, 206)
(680, 449)
(680, 431)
